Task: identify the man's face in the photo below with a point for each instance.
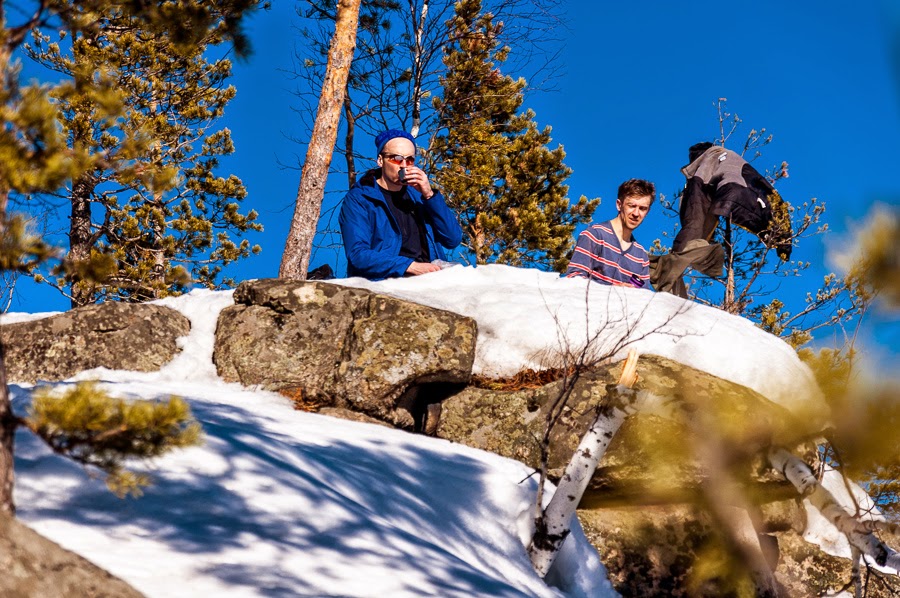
(633, 209)
(399, 146)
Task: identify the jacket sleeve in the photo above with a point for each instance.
(443, 222)
(357, 222)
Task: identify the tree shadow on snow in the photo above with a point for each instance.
(269, 498)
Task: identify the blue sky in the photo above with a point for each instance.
(637, 86)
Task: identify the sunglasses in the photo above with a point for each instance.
(399, 160)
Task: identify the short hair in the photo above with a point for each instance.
(637, 188)
(697, 150)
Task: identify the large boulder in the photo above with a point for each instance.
(342, 347)
(640, 507)
(674, 550)
(34, 566)
(115, 335)
(648, 450)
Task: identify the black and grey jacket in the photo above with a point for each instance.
(722, 183)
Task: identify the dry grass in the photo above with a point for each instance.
(299, 401)
(526, 379)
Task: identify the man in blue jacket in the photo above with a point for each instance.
(393, 222)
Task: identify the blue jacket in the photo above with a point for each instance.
(372, 236)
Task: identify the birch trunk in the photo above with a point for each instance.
(553, 526)
(310, 192)
(418, 65)
(859, 533)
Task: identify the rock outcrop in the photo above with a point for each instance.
(34, 566)
(360, 355)
(640, 507)
(343, 347)
(510, 423)
(121, 336)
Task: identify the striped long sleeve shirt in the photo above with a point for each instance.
(599, 256)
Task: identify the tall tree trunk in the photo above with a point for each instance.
(7, 419)
(158, 251)
(7, 441)
(80, 235)
(298, 247)
(418, 65)
(730, 304)
(350, 118)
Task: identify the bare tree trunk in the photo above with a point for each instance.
(418, 65)
(730, 305)
(7, 419)
(478, 246)
(158, 252)
(311, 191)
(80, 235)
(855, 577)
(554, 524)
(7, 442)
(350, 118)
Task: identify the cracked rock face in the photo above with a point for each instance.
(342, 347)
(121, 336)
(511, 423)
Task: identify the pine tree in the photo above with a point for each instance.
(36, 158)
(90, 427)
(150, 214)
(493, 163)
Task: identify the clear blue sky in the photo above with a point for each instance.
(637, 87)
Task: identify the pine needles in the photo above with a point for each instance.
(88, 426)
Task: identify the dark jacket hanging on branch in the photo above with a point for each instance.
(722, 183)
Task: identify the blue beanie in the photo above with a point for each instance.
(386, 136)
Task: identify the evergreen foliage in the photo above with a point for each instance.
(143, 108)
(38, 154)
(492, 163)
(92, 428)
(397, 68)
(20, 249)
(865, 443)
(875, 267)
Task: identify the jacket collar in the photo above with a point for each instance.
(370, 189)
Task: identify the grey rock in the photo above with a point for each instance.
(645, 450)
(33, 567)
(122, 336)
(641, 508)
(343, 347)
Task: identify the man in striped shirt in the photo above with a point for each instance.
(607, 252)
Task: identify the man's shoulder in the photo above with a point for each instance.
(601, 228)
(365, 189)
(639, 249)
